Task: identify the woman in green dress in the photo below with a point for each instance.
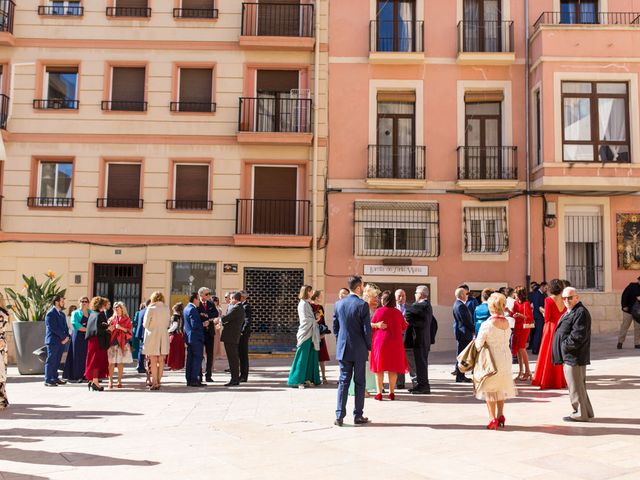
(305, 370)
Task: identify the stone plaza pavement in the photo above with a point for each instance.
(266, 430)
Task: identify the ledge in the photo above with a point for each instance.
(274, 138)
(7, 39)
(396, 183)
(487, 184)
(486, 58)
(397, 58)
(294, 241)
(255, 42)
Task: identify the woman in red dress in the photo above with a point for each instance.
(98, 337)
(548, 375)
(318, 311)
(387, 345)
(523, 316)
(176, 358)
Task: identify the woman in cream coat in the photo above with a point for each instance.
(156, 337)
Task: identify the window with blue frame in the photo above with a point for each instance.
(579, 11)
(396, 26)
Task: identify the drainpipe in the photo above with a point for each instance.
(527, 143)
(314, 194)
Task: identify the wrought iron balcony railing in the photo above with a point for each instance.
(268, 114)
(119, 203)
(128, 12)
(60, 202)
(7, 12)
(192, 107)
(123, 106)
(485, 36)
(195, 13)
(487, 163)
(189, 204)
(4, 111)
(56, 104)
(587, 18)
(272, 217)
(396, 36)
(396, 161)
(61, 10)
(277, 19)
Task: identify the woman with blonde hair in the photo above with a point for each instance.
(304, 370)
(494, 334)
(119, 349)
(156, 337)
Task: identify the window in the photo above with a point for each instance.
(60, 89)
(584, 249)
(123, 186)
(187, 277)
(129, 8)
(127, 90)
(397, 30)
(191, 188)
(60, 7)
(195, 91)
(395, 229)
(485, 230)
(579, 11)
(595, 122)
(54, 185)
(196, 9)
(482, 26)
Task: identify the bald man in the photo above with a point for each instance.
(572, 349)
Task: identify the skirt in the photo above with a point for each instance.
(305, 366)
(323, 354)
(176, 358)
(116, 355)
(97, 360)
(76, 358)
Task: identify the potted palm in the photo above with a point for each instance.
(29, 308)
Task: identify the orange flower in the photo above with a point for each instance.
(50, 274)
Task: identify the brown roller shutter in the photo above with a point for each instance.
(62, 69)
(405, 97)
(192, 182)
(124, 181)
(197, 4)
(195, 85)
(277, 80)
(128, 84)
(132, 3)
(484, 96)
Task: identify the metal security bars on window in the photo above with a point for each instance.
(485, 230)
(584, 251)
(397, 229)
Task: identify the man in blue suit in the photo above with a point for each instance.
(352, 328)
(463, 327)
(194, 336)
(138, 319)
(55, 338)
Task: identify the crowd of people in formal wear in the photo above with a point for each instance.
(101, 338)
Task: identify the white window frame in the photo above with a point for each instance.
(55, 180)
(45, 86)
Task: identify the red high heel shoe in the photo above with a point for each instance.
(392, 396)
(493, 425)
(378, 396)
(501, 420)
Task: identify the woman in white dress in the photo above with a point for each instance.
(494, 334)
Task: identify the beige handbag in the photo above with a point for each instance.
(467, 358)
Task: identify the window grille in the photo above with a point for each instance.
(584, 251)
(485, 230)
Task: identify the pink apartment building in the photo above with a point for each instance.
(432, 177)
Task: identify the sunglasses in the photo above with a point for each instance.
(568, 298)
(84, 301)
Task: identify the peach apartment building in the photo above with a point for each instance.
(166, 145)
(432, 177)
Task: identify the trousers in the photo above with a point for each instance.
(208, 349)
(54, 356)
(577, 384)
(347, 371)
(243, 353)
(627, 320)
(193, 362)
(234, 361)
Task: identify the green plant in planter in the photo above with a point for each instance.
(32, 304)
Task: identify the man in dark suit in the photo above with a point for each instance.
(232, 324)
(208, 312)
(243, 346)
(463, 327)
(194, 337)
(55, 338)
(536, 298)
(139, 333)
(419, 316)
(352, 328)
(572, 348)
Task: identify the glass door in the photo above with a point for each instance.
(483, 152)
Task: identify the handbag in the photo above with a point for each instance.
(324, 330)
(468, 357)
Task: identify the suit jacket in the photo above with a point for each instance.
(352, 328)
(419, 316)
(208, 311)
(56, 329)
(462, 322)
(572, 339)
(232, 324)
(629, 295)
(193, 330)
(140, 328)
(248, 318)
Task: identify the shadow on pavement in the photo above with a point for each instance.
(20, 476)
(20, 411)
(567, 430)
(76, 459)
(41, 432)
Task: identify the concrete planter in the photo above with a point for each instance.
(28, 336)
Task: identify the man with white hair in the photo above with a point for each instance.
(463, 327)
(419, 316)
(571, 347)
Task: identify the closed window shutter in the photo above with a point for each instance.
(132, 3)
(128, 84)
(195, 85)
(484, 96)
(192, 182)
(197, 3)
(277, 80)
(124, 181)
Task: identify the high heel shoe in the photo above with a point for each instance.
(95, 388)
(392, 396)
(378, 397)
(501, 420)
(493, 425)
(526, 377)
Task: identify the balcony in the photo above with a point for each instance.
(123, 106)
(192, 107)
(189, 204)
(582, 19)
(485, 43)
(393, 166)
(196, 13)
(129, 12)
(396, 41)
(60, 10)
(262, 222)
(4, 111)
(282, 26)
(269, 120)
(49, 202)
(7, 12)
(56, 104)
(487, 167)
(129, 203)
